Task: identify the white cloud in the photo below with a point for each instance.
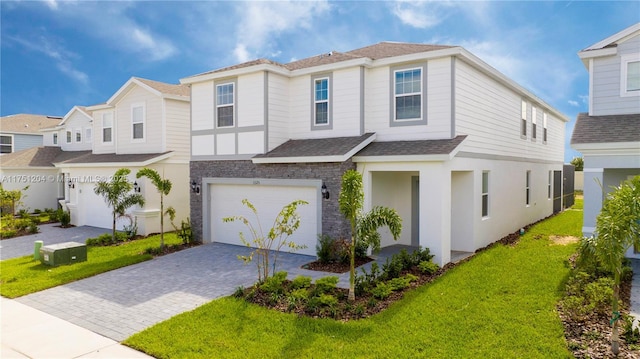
(261, 21)
(112, 23)
(573, 103)
(584, 99)
(419, 14)
(54, 50)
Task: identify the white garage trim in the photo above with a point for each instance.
(262, 182)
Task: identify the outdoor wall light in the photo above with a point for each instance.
(71, 184)
(136, 187)
(195, 188)
(324, 191)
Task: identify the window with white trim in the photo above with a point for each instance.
(6, 144)
(55, 138)
(408, 94)
(78, 132)
(485, 194)
(225, 104)
(528, 188)
(87, 134)
(630, 75)
(523, 121)
(321, 101)
(68, 136)
(137, 121)
(107, 127)
(534, 127)
(544, 127)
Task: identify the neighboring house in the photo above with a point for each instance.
(609, 135)
(464, 154)
(144, 124)
(22, 131)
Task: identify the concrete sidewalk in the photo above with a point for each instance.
(30, 333)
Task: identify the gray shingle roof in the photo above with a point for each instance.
(47, 156)
(336, 146)
(27, 123)
(165, 88)
(606, 129)
(376, 51)
(412, 148)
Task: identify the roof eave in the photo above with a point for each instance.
(615, 37)
(403, 158)
(235, 72)
(585, 55)
(608, 148)
(114, 164)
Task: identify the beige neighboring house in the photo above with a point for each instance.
(22, 131)
(144, 124)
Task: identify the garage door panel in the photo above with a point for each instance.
(226, 201)
(95, 211)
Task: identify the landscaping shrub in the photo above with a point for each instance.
(106, 239)
(326, 284)
(274, 284)
(428, 267)
(331, 250)
(381, 291)
(8, 233)
(365, 282)
(65, 218)
(301, 281)
(324, 248)
(23, 213)
(631, 335)
(33, 228)
(37, 211)
(184, 232)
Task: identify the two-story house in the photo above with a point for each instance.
(608, 136)
(463, 153)
(144, 124)
(22, 131)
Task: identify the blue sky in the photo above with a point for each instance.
(57, 54)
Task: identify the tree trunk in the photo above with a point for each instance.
(615, 344)
(113, 229)
(352, 271)
(161, 222)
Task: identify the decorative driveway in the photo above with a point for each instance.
(122, 302)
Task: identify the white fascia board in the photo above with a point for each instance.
(428, 55)
(234, 73)
(29, 168)
(125, 88)
(361, 61)
(497, 75)
(114, 164)
(176, 97)
(615, 37)
(74, 109)
(403, 158)
(102, 106)
(608, 148)
(307, 159)
(588, 54)
(51, 129)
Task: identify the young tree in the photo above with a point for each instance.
(116, 195)
(285, 223)
(578, 163)
(164, 187)
(617, 229)
(364, 227)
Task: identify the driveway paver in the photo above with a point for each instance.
(49, 234)
(122, 302)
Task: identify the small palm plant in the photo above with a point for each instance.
(364, 227)
(116, 194)
(617, 229)
(163, 186)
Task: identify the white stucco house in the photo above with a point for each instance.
(609, 134)
(144, 124)
(463, 153)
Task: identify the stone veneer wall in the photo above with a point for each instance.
(333, 222)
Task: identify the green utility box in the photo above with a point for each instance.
(63, 253)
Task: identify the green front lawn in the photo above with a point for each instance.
(24, 275)
(500, 304)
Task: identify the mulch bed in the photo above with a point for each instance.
(335, 267)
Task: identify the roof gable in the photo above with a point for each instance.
(616, 38)
(157, 88)
(77, 109)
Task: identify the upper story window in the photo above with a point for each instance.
(137, 121)
(55, 138)
(78, 135)
(630, 75)
(408, 94)
(87, 134)
(68, 136)
(321, 101)
(107, 127)
(534, 127)
(6, 144)
(225, 103)
(523, 121)
(544, 127)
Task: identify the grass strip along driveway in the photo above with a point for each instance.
(24, 275)
(500, 304)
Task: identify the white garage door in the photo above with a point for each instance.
(226, 201)
(94, 210)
